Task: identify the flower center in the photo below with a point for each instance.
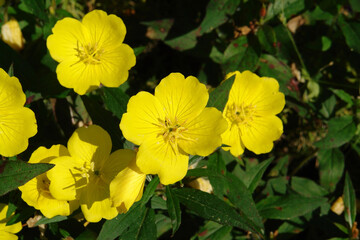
(240, 114)
(89, 53)
(172, 131)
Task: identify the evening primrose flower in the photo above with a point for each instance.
(17, 123)
(87, 172)
(7, 232)
(11, 34)
(36, 192)
(250, 112)
(91, 52)
(171, 125)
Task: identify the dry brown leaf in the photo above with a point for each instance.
(294, 23)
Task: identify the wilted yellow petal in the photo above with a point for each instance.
(11, 34)
(127, 186)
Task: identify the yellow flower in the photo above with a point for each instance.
(17, 123)
(87, 172)
(11, 34)
(171, 125)
(91, 52)
(127, 187)
(250, 112)
(36, 192)
(7, 232)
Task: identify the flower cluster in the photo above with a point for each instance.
(168, 126)
(85, 174)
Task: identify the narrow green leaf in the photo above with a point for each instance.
(267, 38)
(16, 173)
(288, 7)
(219, 96)
(139, 50)
(174, 210)
(351, 31)
(349, 201)
(149, 190)
(50, 220)
(113, 228)
(115, 100)
(341, 130)
(255, 174)
(143, 228)
(34, 7)
(212, 208)
(331, 165)
(343, 96)
(288, 206)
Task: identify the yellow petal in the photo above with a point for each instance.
(51, 207)
(127, 186)
(115, 65)
(259, 137)
(263, 93)
(142, 118)
(16, 127)
(68, 34)
(30, 193)
(90, 144)
(14, 228)
(11, 93)
(157, 157)
(95, 202)
(203, 134)
(183, 99)
(232, 138)
(104, 30)
(7, 235)
(65, 178)
(82, 77)
(117, 162)
(44, 155)
(3, 211)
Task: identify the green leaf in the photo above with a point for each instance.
(219, 96)
(113, 228)
(116, 100)
(241, 54)
(341, 130)
(34, 7)
(139, 50)
(349, 201)
(217, 13)
(212, 208)
(184, 42)
(214, 231)
(289, 7)
(143, 228)
(343, 96)
(275, 68)
(255, 174)
(307, 187)
(328, 106)
(149, 190)
(105, 119)
(86, 235)
(288, 206)
(351, 32)
(163, 224)
(174, 210)
(45, 220)
(355, 5)
(158, 29)
(267, 38)
(16, 173)
(331, 165)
